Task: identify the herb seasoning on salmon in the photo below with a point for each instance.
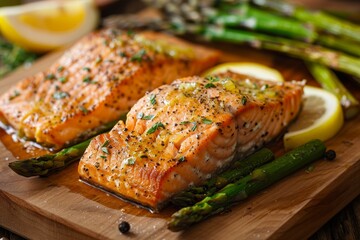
(94, 83)
(195, 131)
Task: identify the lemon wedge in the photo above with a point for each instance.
(321, 118)
(248, 68)
(46, 25)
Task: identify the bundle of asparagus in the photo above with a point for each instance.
(314, 36)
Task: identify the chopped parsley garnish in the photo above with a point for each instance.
(206, 121)
(106, 143)
(88, 79)
(209, 85)
(122, 54)
(102, 156)
(194, 126)
(98, 60)
(143, 117)
(105, 150)
(155, 127)
(264, 87)
(86, 69)
(182, 159)
(184, 122)
(243, 100)
(50, 76)
(62, 79)
(83, 109)
(60, 68)
(212, 79)
(130, 33)
(138, 57)
(60, 95)
(15, 94)
(130, 161)
(152, 99)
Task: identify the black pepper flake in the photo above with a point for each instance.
(330, 155)
(155, 127)
(97, 165)
(124, 227)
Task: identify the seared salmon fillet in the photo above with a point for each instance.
(182, 134)
(97, 81)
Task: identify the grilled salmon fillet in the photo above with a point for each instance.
(97, 81)
(183, 133)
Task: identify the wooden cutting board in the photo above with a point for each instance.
(61, 207)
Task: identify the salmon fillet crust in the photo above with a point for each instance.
(96, 82)
(183, 133)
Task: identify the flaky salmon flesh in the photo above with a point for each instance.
(181, 134)
(96, 81)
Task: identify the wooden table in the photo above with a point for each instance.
(344, 225)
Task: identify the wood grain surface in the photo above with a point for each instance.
(61, 207)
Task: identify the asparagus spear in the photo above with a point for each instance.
(321, 20)
(341, 44)
(257, 19)
(259, 179)
(238, 170)
(305, 51)
(50, 163)
(329, 81)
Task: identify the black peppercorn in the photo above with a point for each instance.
(330, 155)
(124, 227)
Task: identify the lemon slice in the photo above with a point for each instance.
(248, 68)
(46, 25)
(321, 118)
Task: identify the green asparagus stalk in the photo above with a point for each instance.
(333, 59)
(329, 81)
(256, 19)
(239, 169)
(319, 19)
(341, 44)
(259, 179)
(51, 163)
